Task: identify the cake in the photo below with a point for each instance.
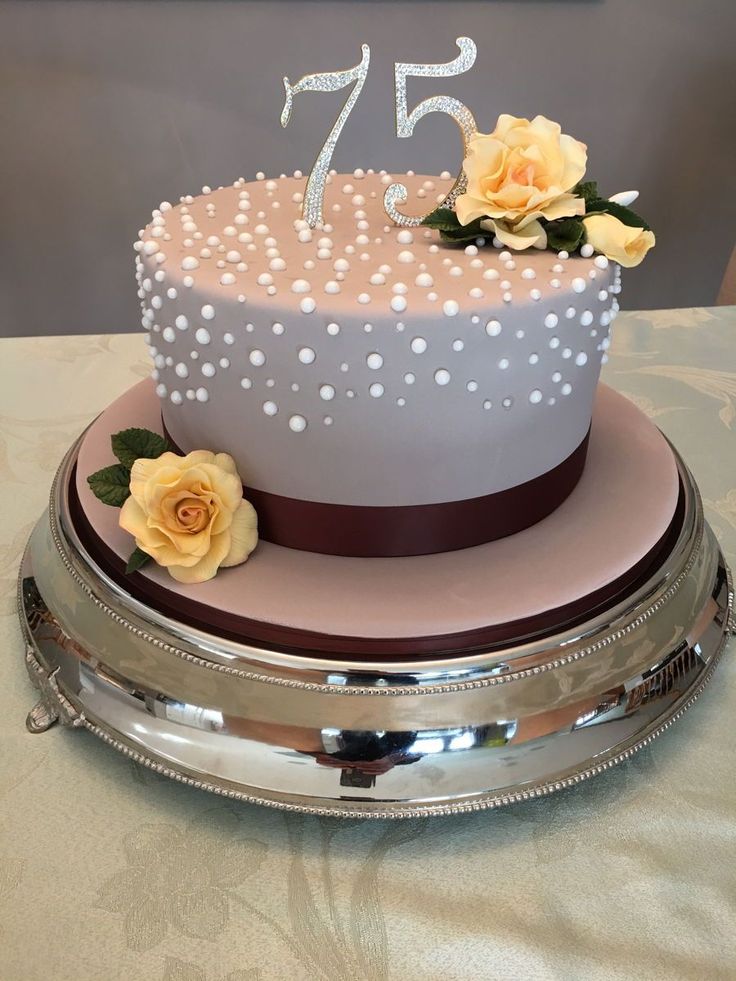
(380, 391)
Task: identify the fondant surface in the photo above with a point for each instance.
(620, 509)
(414, 372)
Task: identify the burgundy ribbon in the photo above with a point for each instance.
(420, 529)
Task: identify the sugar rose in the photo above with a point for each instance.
(624, 244)
(189, 515)
(519, 173)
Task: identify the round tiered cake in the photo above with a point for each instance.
(381, 392)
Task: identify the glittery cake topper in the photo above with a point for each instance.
(405, 123)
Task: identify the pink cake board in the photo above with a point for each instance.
(621, 508)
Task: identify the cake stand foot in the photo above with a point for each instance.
(52, 706)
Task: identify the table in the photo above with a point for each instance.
(108, 871)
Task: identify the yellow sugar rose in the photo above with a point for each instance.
(624, 244)
(188, 514)
(519, 173)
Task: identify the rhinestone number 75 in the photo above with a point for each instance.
(312, 208)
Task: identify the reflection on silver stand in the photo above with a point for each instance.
(361, 739)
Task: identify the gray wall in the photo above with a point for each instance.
(106, 108)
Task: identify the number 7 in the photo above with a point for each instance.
(325, 82)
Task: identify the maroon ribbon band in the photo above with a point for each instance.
(421, 529)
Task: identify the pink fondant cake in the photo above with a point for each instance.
(372, 367)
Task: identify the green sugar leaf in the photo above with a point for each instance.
(565, 233)
(111, 485)
(444, 219)
(588, 190)
(137, 559)
(133, 444)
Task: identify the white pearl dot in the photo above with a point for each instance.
(410, 378)
(374, 360)
(493, 328)
(326, 392)
(581, 358)
(300, 286)
(503, 364)
(579, 284)
(398, 304)
(202, 335)
(297, 424)
(566, 388)
(535, 396)
(376, 390)
(333, 329)
(202, 394)
(586, 318)
(472, 386)
(270, 408)
(450, 308)
(418, 345)
(458, 345)
(364, 298)
(257, 358)
(551, 320)
(586, 251)
(208, 311)
(306, 355)
(308, 305)
(246, 383)
(442, 376)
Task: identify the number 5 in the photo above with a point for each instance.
(325, 82)
(405, 123)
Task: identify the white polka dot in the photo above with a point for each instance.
(503, 364)
(169, 334)
(257, 358)
(297, 424)
(418, 345)
(581, 358)
(300, 286)
(246, 383)
(410, 378)
(493, 328)
(376, 390)
(579, 284)
(450, 308)
(306, 355)
(208, 369)
(458, 345)
(586, 318)
(586, 251)
(202, 394)
(326, 392)
(202, 335)
(270, 408)
(208, 312)
(472, 386)
(308, 305)
(182, 370)
(551, 320)
(442, 376)
(333, 329)
(181, 322)
(176, 397)
(535, 396)
(398, 304)
(566, 388)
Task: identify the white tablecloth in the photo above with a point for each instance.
(109, 872)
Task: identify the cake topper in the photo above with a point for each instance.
(325, 82)
(405, 122)
(520, 186)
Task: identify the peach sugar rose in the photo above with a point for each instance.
(189, 515)
(519, 173)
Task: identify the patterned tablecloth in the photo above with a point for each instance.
(108, 871)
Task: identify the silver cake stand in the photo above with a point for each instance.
(383, 739)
